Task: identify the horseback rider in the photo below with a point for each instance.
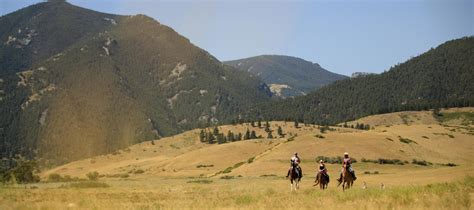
(347, 162)
(295, 163)
(322, 169)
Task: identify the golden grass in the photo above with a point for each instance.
(247, 193)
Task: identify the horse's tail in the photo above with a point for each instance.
(317, 181)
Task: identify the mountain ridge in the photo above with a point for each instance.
(288, 76)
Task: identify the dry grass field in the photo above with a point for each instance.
(181, 172)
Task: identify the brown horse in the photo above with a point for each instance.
(294, 177)
(322, 180)
(347, 179)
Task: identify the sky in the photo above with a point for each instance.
(342, 36)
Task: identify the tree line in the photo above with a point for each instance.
(216, 136)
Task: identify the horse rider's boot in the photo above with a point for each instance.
(288, 174)
(354, 175)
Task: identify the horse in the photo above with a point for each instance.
(322, 180)
(347, 179)
(294, 177)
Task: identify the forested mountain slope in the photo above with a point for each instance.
(440, 77)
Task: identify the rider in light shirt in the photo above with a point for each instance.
(295, 162)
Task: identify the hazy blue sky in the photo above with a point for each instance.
(342, 36)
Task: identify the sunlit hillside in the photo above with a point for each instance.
(422, 137)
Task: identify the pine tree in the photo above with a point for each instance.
(220, 138)
(280, 131)
(216, 131)
(270, 136)
(202, 136)
(253, 135)
(211, 138)
(247, 135)
(259, 124)
(252, 123)
(230, 136)
(239, 137)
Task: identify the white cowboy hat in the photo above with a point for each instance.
(320, 161)
(346, 153)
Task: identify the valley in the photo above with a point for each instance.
(121, 111)
(250, 173)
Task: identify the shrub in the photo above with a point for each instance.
(204, 166)
(24, 171)
(319, 136)
(227, 170)
(139, 171)
(93, 176)
(227, 177)
(200, 181)
(384, 161)
(450, 164)
(333, 160)
(268, 175)
(390, 161)
(406, 140)
(54, 177)
(86, 184)
(421, 162)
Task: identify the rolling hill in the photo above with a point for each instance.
(434, 140)
(77, 83)
(440, 77)
(287, 76)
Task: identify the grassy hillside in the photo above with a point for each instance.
(184, 155)
(287, 76)
(440, 77)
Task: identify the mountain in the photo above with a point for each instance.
(76, 83)
(440, 77)
(287, 76)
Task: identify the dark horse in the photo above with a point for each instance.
(294, 177)
(322, 180)
(347, 178)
